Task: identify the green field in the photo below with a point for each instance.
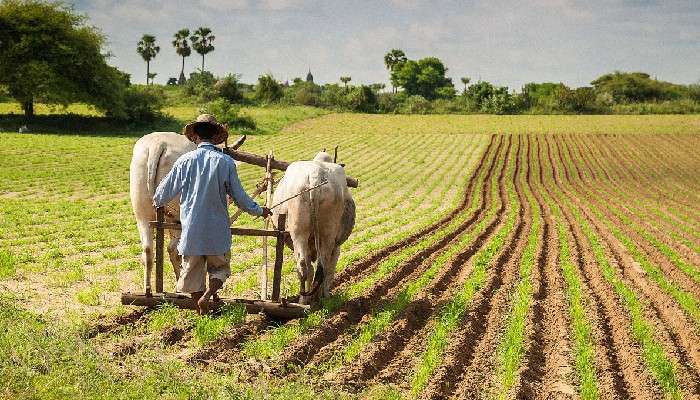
(69, 246)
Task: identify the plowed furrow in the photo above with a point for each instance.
(476, 379)
(397, 369)
(675, 332)
(464, 342)
(650, 221)
(608, 366)
(352, 311)
(373, 259)
(674, 275)
(621, 373)
(662, 250)
(681, 336)
(634, 372)
(548, 372)
(381, 352)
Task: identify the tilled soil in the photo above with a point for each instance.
(596, 178)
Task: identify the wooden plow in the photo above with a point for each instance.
(269, 303)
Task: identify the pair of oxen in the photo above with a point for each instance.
(324, 211)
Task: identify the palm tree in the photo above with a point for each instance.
(202, 42)
(392, 59)
(345, 80)
(148, 50)
(465, 80)
(183, 49)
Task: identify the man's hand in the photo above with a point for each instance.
(266, 212)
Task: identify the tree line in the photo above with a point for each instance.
(50, 54)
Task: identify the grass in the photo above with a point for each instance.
(208, 328)
(531, 124)
(7, 264)
(89, 296)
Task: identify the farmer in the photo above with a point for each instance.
(203, 177)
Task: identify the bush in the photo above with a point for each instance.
(303, 93)
(268, 90)
(139, 104)
(361, 99)
(227, 88)
(416, 105)
(684, 106)
(454, 106)
(499, 102)
(228, 113)
(577, 101)
(201, 86)
(388, 103)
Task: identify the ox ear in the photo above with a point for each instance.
(342, 165)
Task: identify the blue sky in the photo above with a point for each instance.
(506, 42)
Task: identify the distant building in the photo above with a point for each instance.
(309, 77)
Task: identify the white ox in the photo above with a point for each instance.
(152, 159)
(318, 221)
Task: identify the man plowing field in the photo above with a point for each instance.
(194, 176)
(203, 178)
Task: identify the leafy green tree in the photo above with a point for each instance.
(202, 42)
(268, 89)
(423, 77)
(394, 58)
(227, 88)
(465, 80)
(345, 80)
(631, 87)
(377, 87)
(183, 49)
(49, 53)
(148, 50)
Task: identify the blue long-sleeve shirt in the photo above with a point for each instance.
(203, 177)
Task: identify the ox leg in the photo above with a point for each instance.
(304, 268)
(330, 271)
(147, 252)
(175, 258)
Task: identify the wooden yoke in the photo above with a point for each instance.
(260, 161)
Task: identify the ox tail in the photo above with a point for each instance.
(319, 275)
(154, 154)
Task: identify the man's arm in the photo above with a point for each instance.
(169, 187)
(239, 196)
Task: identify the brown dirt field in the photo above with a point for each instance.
(594, 175)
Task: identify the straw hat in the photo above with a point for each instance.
(220, 136)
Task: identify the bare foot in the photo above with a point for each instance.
(203, 305)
